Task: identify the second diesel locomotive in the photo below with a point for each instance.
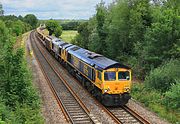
(106, 79)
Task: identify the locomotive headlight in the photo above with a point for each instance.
(127, 89)
(105, 90)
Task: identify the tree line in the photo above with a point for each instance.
(140, 33)
(70, 25)
(19, 25)
(19, 101)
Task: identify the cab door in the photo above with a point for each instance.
(99, 76)
(63, 54)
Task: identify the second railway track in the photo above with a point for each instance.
(72, 106)
(127, 116)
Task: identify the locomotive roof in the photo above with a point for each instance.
(56, 41)
(64, 46)
(98, 61)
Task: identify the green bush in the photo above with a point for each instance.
(19, 101)
(151, 96)
(58, 31)
(18, 27)
(26, 114)
(6, 115)
(3, 34)
(164, 76)
(158, 102)
(172, 97)
(21, 115)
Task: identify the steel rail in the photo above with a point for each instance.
(136, 115)
(50, 84)
(67, 86)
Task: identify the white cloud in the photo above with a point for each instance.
(56, 9)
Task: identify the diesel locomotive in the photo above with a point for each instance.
(107, 80)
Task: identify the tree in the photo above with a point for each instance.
(163, 77)
(155, 41)
(18, 27)
(118, 45)
(100, 18)
(72, 25)
(83, 37)
(3, 33)
(140, 19)
(141, 33)
(20, 18)
(19, 102)
(58, 31)
(1, 10)
(160, 37)
(51, 25)
(31, 19)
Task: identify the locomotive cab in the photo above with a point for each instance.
(115, 86)
(116, 81)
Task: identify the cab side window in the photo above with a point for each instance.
(99, 75)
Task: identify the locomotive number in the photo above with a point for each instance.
(85, 69)
(76, 62)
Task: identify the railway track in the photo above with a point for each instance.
(72, 107)
(121, 115)
(126, 116)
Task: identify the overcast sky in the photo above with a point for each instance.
(55, 9)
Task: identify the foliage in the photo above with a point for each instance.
(31, 19)
(100, 30)
(163, 77)
(140, 33)
(157, 102)
(16, 80)
(15, 25)
(3, 33)
(53, 27)
(161, 35)
(9, 17)
(18, 27)
(94, 43)
(22, 114)
(71, 25)
(83, 35)
(152, 97)
(27, 114)
(171, 100)
(19, 101)
(118, 28)
(58, 31)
